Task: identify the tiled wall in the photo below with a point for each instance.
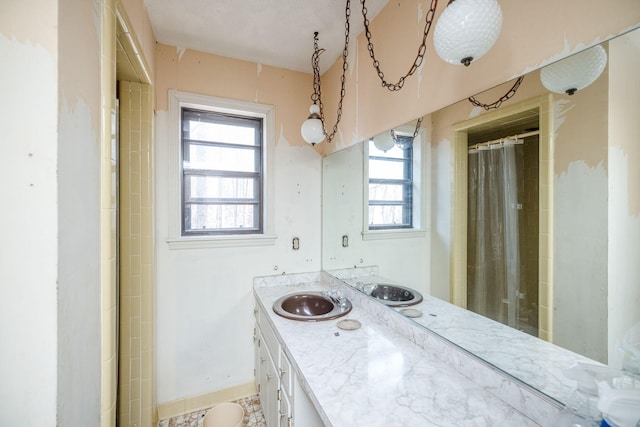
(529, 232)
(136, 250)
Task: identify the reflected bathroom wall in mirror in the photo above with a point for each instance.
(403, 252)
(588, 230)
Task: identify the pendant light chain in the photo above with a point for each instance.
(421, 50)
(415, 133)
(503, 98)
(315, 63)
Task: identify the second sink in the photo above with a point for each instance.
(395, 295)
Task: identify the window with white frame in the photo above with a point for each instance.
(391, 186)
(219, 156)
(222, 173)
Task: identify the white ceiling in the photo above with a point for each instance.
(269, 32)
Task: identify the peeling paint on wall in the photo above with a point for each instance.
(180, 51)
(560, 109)
(624, 247)
(28, 365)
(475, 112)
(580, 248)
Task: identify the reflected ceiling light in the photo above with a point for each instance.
(575, 72)
(384, 141)
(387, 140)
(467, 29)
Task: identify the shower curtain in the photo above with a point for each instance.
(493, 259)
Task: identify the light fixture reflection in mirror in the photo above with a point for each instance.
(384, 141)
(575, 72)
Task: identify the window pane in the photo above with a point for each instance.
(215, 217)
(385, 215)
(221, 132)
(386, 192)
(390, 186)
(222, 173)
(217, 187)
(386, 169)
(209, 157)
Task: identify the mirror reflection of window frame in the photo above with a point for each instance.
(388, 171)
(419, 188)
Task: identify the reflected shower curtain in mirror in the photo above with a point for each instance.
(493, 259)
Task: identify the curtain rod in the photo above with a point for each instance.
(497, 141)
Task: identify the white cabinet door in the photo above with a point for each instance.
(285, 410)
(284, 402)
(269, 385)
(257, 342)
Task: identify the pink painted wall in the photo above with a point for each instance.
(533, 34)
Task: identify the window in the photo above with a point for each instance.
(222, 173)
(391, 186)
(219, 156)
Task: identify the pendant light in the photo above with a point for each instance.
(575, 72)
(467, 29)
(312, 130)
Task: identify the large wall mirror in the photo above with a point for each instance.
(576, 201)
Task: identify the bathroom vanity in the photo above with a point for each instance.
(284, 401)
(388, 372)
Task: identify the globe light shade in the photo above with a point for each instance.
(311, 129)
(575, 72)
(384, 141)
(467, 29)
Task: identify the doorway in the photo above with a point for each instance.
(508, 280)
(135, 397)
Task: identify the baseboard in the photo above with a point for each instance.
(191, 404)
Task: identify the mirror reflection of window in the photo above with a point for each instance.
(391, 186)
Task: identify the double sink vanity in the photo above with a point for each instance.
(351, 349)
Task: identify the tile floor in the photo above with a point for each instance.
(253, 416)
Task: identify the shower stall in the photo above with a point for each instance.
(502, 233)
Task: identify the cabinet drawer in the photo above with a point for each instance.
(268, 335)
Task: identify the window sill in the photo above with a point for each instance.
(393, 234)
(220, 242)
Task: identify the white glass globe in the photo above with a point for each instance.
(467, 29)
(384, 141)
(575, 72)
(311, 129)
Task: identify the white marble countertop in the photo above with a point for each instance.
(373, 376)
(531, 360)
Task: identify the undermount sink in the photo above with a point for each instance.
(311, 306)
(394, 295)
